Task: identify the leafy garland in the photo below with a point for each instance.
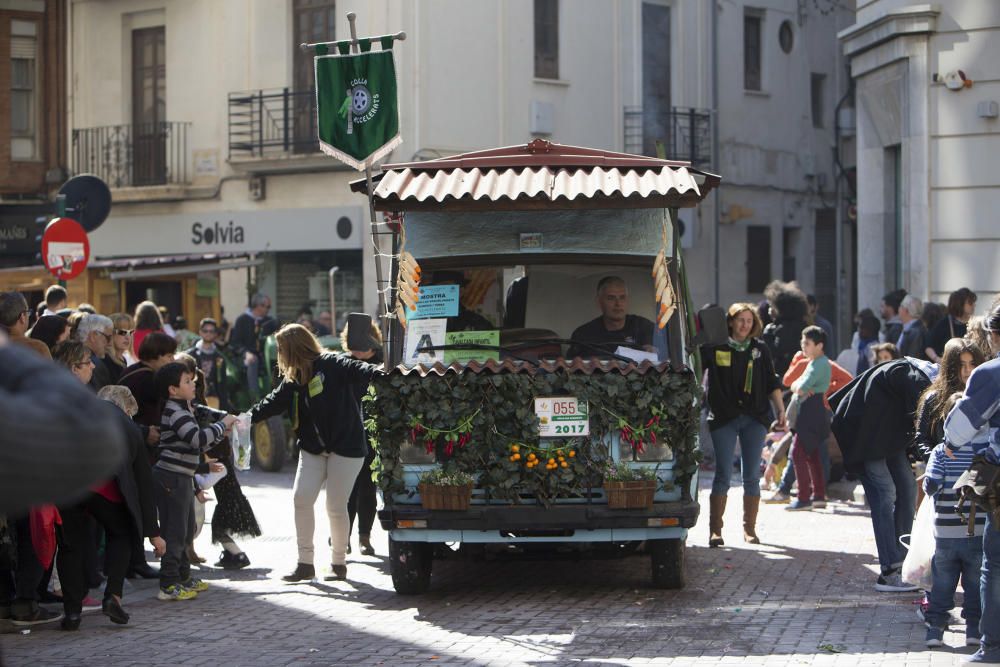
(485, 424)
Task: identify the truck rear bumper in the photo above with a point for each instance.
(560, 523)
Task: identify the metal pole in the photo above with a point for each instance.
(333, 299)
(379, 282)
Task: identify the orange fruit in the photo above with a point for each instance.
(551, 461)
(564, 464)
(572, 453)
(515, 448)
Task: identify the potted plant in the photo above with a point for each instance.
(444, 489)
(629, 488)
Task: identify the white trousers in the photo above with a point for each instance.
(339, 473)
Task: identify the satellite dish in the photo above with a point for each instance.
(88, 200)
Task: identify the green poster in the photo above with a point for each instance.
(490, 338)
(357, 113)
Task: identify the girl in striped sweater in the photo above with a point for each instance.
(957, 554)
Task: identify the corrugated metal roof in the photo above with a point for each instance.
(574, 366)
(545, 183)
(539, 174)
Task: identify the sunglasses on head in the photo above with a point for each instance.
(124, 332)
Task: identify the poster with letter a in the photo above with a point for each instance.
(422, 334)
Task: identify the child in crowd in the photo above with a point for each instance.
(181, 446)
(956, 554)
(777, 443)
(812, 422)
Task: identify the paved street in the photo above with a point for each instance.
(804, 598)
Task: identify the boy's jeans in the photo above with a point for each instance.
(989, 590)
(750, 433)
(954, 559)
(175, 504)
(891, 490)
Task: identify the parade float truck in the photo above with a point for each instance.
(494, 428)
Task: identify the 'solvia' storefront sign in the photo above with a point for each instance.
(274, 230)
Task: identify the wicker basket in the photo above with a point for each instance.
(630, 495)
(445, 497)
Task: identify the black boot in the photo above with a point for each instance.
(228, 561)
(112, 608)
(145, 571)
(303, 572)
(70, 622)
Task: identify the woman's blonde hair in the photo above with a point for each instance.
(118, 319)
(120, 396)
(739, 307)
(297, 350)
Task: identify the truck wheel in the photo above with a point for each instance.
(270, 444)
(667, 558)
(410, 566)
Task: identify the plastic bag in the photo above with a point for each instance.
(920, 554)
(240, 439)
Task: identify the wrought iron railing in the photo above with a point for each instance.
(134, 155)
(265, 123)
(686, 133)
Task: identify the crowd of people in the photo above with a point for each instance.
(166, 392)
(912, 398)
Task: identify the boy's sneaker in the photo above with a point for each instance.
(892, 582)
(196, 585)
(820, 504)
(90, 604)
(922, 606)
(934, 637)
(779, 497)
(175, 592)
(799, 505)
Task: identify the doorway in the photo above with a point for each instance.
(149, 106)
(166, 293)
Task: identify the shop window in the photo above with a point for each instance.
(23, 90)
(753, 20)
(758, 258)
(547, 39)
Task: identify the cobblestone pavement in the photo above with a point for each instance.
(803, 598)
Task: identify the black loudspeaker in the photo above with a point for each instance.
(88, 200)
(359, 332)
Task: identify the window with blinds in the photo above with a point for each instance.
(547, 39)
(23, 90)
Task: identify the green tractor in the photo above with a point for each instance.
(273, 440)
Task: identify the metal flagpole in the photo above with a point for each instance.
(380, 283)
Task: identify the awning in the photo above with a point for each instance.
(126, 268)
(539, 175)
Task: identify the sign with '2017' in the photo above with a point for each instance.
(562, 417)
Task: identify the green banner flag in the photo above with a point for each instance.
(357, 113)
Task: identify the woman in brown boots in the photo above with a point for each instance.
(742, 390)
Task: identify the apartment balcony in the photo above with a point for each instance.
(685, 132)
(274, 131)
(134, 156)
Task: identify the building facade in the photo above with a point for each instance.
(927, 80)
(32, 132)
(208, 114)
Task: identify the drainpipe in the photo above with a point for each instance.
(841, 315)
(333, 299)
(715, 141)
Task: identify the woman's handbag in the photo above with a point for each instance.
(920, 554)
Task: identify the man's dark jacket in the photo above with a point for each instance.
(914, 341)
(135, 480)
(873, 416)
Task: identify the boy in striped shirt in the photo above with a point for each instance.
(182, 444)
(957, 554)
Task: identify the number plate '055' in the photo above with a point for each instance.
(562, 417)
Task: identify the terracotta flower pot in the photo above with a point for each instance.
(445, 497)
(630, 495)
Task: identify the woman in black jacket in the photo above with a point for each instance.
(123, 505)
(742, 390)
(321, 392)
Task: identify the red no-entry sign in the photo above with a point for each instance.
(65, 248)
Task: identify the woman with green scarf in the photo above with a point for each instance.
(742, 390)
